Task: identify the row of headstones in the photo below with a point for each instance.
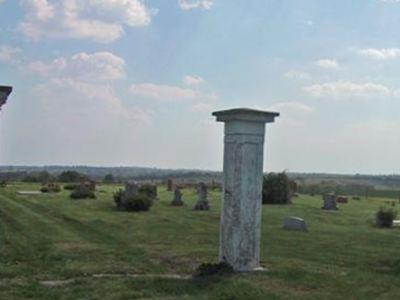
(202, 203)
(330, 203)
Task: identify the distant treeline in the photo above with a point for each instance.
(350, 189)
(118, 174)
(308, 183)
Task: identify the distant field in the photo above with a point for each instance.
(51, 237)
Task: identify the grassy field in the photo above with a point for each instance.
(51, 237)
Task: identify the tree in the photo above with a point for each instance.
(109, 178)
(277, 189)
(72, 176)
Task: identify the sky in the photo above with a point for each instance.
(134, 83)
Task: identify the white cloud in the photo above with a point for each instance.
(84, 99)
(327, 63)
(195, 100)
(99, 66)
(292, 113)
(163, 92)
(99, 20)
(380, 54)
(346, 89)
(292, 106)
(193, 4)
(390, 1)
(297, 75)
(8, 54)
(202, 107)
(193, 80)
(309, 22)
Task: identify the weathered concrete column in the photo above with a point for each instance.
(5, 91)
(240, 230)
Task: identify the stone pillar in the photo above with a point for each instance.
(5, 91)
(240, 230)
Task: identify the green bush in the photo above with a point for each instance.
(70, 186)
(138, 202)
(385, 217)
(72, 176)
(118, 196)
(277, 189)
(50, 188)
(109, 178)
(82, 191)
(148, 189)
(210, 269)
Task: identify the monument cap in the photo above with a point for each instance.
(245, 114)
(5, 91)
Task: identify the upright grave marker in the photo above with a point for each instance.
(202, 202)
(240, 230)
(330, 202)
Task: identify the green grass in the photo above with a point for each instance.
(51, 237)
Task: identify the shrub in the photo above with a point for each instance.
(138, 202)
(50, 188)
(209, 269)
(70, 186)
(385, 217)
(109, 178)
(118, 196)
(277, 189)
(82, 191)
(41, 177)
(71, 176)
(149, 190)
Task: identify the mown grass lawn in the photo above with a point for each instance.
(51, 237)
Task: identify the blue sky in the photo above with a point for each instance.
(129, 82)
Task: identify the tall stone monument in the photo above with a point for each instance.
(5, 91)
(240, 230)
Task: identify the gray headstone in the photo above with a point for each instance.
(177, 198)
(330, 202)
(131, 188)
(295, 223)
(202, 202)
(170, 184)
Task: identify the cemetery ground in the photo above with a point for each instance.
(53, 247)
